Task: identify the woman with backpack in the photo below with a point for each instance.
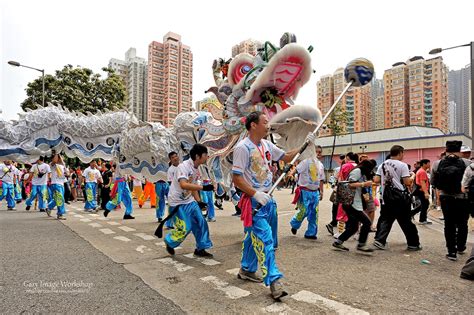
(355, 212)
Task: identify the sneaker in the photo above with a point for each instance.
(61, 217)
(106, 213)
(330, 228)
(170, 250)
(339, 246)
(250, 276)
(462, 251)
(48, 212)
(202, 253)
(293, 231)
(140, 206)
(42, 210)
(211, 220)
(28, 208)
(379, 245)
(452, 256)
(425, 222)
(236, 214)
(414, 248)
(277, 290)
(160, 220)
(364, 248)
(466, 276)
(128, 217)
(311, 237)
(11, 209)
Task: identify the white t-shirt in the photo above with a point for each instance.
(58, 174)
(91, 175)
(310, 173)
(171, 171)
(44, 169)
(395, 170)
(253, 162)
(9, 171)
(177, 195)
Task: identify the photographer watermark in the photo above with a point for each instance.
(59, 286)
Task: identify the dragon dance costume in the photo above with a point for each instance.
(40, 178)
(120, 193)
(57, 189)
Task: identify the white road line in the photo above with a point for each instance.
(94, 215)
(233, 272)
(339, 308)
(78, 216)
(122, 238)
(85, 220)
(103, 219)
(204, 261)
(126, 228)
(179, 266)
(144, 236)
(113, 223)
(280, 308)
(142, 249)
(230, 291)
(107, 231)
(95, 225)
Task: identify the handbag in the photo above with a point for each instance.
(332, 198)
(344, 194)
(393, 195)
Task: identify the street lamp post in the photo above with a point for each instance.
(17, 64)
(471, 44)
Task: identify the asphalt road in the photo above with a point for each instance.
(318, 279)
(48, 268)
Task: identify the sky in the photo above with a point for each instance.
(50, 34)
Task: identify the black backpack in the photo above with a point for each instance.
(449, 174)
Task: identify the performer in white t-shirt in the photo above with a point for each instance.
(58, 178)
(7, 179)
(184, 201)
(307, 196)
(39, 174)
(251, 173)
(91, 176)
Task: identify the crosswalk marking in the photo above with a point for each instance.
(204, 261)
(126, 228)
(78, 216)
(280, 308)
(107, 231)
(230, 291)
(94, 215)
(179, 266)
(95, 225)
(142, 249)
(122, 238)
(339, 308)
(113, 223)
(85, 220)
(103, 219)
(144, 236)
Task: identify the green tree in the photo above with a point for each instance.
(78, 89)
(337, 124)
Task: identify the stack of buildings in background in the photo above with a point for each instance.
(418, 93)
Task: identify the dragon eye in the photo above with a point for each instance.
(245, 69)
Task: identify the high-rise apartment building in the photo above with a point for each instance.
(379, 113)
(356, 102)
(416, 94)
(247, 46)
(170, 79)
(374, 110)
(458, 92)
(133, 72)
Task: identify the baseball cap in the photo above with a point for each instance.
(465, 148)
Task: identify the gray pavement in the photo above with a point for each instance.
(48, 268)
(318, 279)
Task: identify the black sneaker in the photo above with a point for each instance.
(160, 220)
(42, 210)
(236, 214)
(106, 213)
(380, 246)
(293, 231)
(452, 256)
(128, 217)
(339, 246)
(364, 248)
(28, 208)
(330, 228)
(311, 237)
(414, 248)
(202, 253)
(170, 249)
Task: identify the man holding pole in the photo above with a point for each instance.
(251, 174)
